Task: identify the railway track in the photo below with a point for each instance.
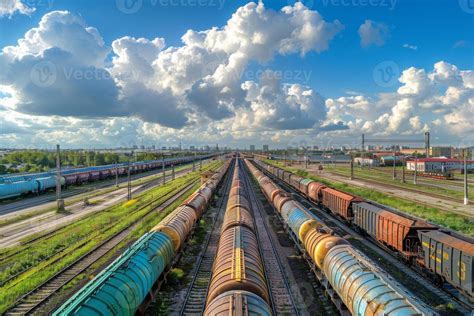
(195, 299)
(281, 294)
(32, 301)
(51, 233)
(394, 186)
(343, 230)
(6, 208)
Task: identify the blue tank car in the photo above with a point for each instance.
(8, 190)
(123, 285)
(48, 183)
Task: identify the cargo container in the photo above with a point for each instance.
(295, 180)
(390, 229)
(303, 186)
(286, 176)
(450, 257)
(339, 202)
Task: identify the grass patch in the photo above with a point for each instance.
(457, 222)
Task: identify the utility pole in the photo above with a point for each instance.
(173, 172)
(394, 175)
(416, 168)
(362, 151)
(163, 168)
(200, 164)
(352, 168)
(58, 179)
(129, 182)
(403, 171)
(306, 159)
(466, 198)
(194, 161)
(116, 175)
(427, 144)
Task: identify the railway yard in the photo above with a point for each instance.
(242, 236)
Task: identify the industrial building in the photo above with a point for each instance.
(441, 152)
(438, 164)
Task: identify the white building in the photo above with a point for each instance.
(438, 164)
(366, 162)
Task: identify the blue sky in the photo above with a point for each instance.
(433, 26)
(414, 34)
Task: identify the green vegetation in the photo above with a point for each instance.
(33, 263)
(450, 220)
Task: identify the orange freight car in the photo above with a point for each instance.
(314, 191)
(393, 230)
(339, 202)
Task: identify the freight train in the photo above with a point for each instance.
(359, 284)
(238, 284)
(440, 254)
(16, 185)
(122, 286)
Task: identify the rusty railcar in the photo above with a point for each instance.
(449, 257)
(388, 228)
(295, 180)
(315, 191)
(177, 225)
(339, 203)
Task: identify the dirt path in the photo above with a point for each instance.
(420, 198)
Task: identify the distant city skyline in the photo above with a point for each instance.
(238, 73)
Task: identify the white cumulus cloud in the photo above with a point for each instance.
(373, 33)
(10, 7)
